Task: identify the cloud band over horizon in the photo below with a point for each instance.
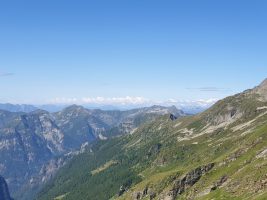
(130, 100)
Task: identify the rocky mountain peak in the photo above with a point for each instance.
(263, 84)
(262, 90)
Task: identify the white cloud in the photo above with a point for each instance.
(134, 102)
(200, 102)
(116, 100)
(208, 101)
(128, 100)
(63, 100)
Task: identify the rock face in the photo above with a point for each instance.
(179, 186)
(27, 142)
(219, 183)
(173, 117)
(187, 181)
(4, 192)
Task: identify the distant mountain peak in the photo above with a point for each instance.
(74, 107)
(17, 107)
(39, 112)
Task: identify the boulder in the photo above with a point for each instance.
(173, 117)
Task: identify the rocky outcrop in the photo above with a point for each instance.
(179, 186)
(173, 117)
(146, 193)
(4, 192)
(187, 181)
(123, 189)
(219, 183)
(137, 195)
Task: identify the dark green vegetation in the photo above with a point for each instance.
(218, 154)
(82, 177)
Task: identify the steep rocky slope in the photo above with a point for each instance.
(4, 192)
(23, 148)
(218, 154)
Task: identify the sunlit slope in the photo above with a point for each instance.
(218, 154)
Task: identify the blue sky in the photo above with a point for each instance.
(59, 51)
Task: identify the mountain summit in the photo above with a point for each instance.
(263, 84)
(262, 90)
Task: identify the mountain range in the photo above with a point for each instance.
(220, 153)
(17, 107)
(190, 107)
(34, 145)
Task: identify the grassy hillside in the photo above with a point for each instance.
(218, 154)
